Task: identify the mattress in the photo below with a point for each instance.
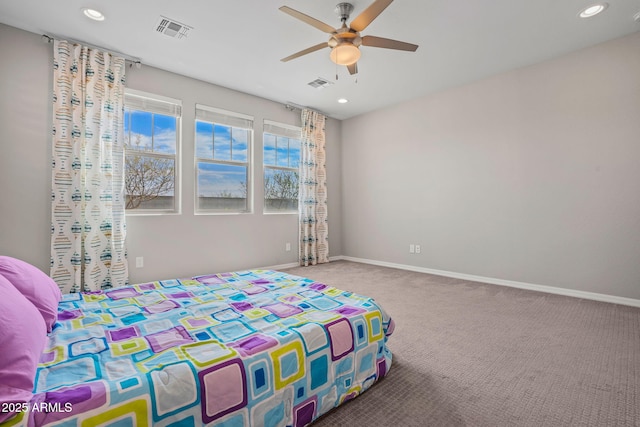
(249, 348)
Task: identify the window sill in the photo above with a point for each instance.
(219, 213)
(152, 213)
(280, 213)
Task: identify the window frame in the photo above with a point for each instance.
(162, 105)
(282, 130)
(217, 116)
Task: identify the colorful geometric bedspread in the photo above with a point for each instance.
(252, 348)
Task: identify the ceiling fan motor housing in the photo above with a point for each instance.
(351, 38)
(344, 10)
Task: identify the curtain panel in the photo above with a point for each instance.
(314, 243)
(88, 203)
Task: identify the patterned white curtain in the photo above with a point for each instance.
(88, 205)
(314, 244)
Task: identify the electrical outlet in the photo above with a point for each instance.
(139, 262)
(412, 249)
(418, 249)
(287, 247)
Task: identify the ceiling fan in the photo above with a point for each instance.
(345, 41)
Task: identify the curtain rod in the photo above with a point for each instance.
(292, 106)
(49, 38)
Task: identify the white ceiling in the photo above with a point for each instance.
(239, 43)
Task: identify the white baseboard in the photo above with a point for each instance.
(280, 266)
(510, 283)
(295, 264)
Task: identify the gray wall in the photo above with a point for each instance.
(188, 244)
(172, 245)
(531, 176)
(25, 146)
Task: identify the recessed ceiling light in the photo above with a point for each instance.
(343, 100)
(593, 10)
(93, 14)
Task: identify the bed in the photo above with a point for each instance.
(247, 348)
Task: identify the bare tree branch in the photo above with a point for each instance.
(146, 178)
(281, 186)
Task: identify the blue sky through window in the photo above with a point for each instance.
(155, 136)
(226, 143)
(216, 179)
(281, 151)
(221, 142)
(150, 132)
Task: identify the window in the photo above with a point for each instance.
(151, 135)
(281, 167)
(223, 144)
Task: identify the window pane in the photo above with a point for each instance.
(221, 142)
(280, 189)
(140, 131)
(269, 142)
(151, 154)
(149, 181)
(127, 126)
(222, 168)
(282, 151)
(204, 140)
(240, 140)
(222, 187)
(164, 134)
(294, 153)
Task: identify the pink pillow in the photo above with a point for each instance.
(23, 336)
(36, 286)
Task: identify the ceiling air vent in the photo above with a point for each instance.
(172, 28)
(320, 83)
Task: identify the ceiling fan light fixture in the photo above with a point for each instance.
(345, 53)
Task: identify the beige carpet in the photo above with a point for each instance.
(473, 354)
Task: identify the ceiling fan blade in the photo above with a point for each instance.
(309, 20)
(353, 68)
(369, 14)
(374, 41)
(304, 52)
